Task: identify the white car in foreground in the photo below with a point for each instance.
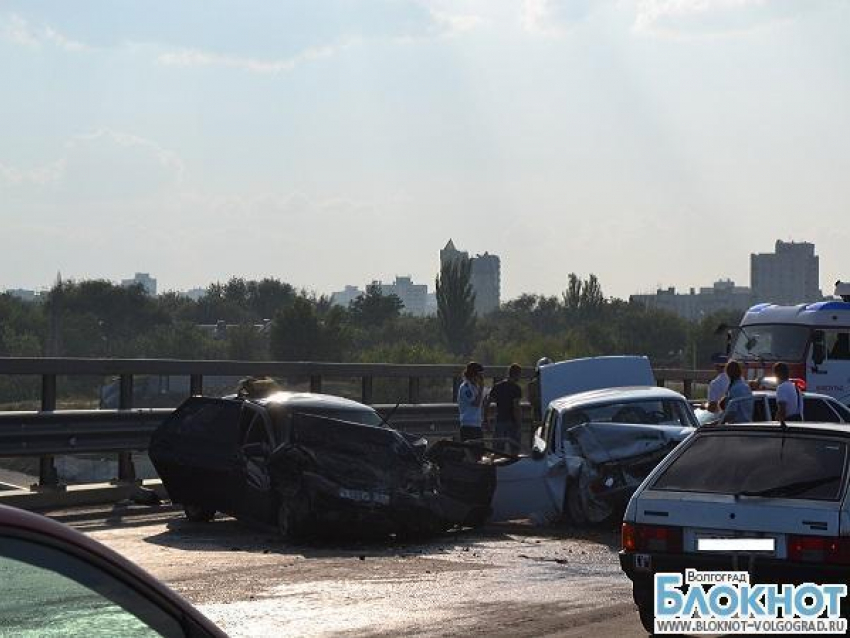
(785, 486)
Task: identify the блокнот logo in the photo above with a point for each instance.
(726, 602)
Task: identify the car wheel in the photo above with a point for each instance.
(647, 617)
(198, 513)
(642, 595)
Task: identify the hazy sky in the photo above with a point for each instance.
(335, 142)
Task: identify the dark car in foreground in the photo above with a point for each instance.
(59, 582)
(782, 487)
(311, 463)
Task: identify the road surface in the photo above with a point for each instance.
(503, 580)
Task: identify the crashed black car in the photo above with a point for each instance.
(311, 463)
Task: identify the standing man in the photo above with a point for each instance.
(738, 402)
(789, 402)
(717, 389)
(469, 398)
(507, 395)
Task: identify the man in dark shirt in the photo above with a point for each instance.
(507, 395)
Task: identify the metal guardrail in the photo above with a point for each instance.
(47, 433)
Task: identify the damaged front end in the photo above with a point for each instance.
(335, 476)
(613, 460)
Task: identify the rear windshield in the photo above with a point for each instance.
(803, 467)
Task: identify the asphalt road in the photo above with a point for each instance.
(504, 580)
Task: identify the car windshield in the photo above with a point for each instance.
(753, 464)
(364, 417)
(773, 342)
(653, 412)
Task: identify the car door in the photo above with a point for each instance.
(258, 499)
(533, 486)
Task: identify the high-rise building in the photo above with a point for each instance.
(723, 295)
(413, 296)
(790, 275)
(486, 277)
(345, 296)
(145, 280)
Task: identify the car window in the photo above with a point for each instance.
(837, 344)
(210, 421)
(548, 430)
(257, 431)
(842, 410)
(48, 592)
(819, 411)
(653, 412)
(788, 466)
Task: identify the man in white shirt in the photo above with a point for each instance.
(717, 389)
(789, 402)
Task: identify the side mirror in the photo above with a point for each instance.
(818, 347)
(255, 450)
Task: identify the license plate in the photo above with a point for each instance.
(735, 542)
(643, 562)
(362, 496)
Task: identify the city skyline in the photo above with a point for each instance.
(650, 142)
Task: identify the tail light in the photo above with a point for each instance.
(652, 538)
(819, 549)
(800, 383)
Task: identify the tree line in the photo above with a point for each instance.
(270, 319)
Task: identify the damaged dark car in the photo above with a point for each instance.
(312, 464)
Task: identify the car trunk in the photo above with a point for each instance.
(713, 516)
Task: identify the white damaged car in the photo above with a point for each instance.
(595, 447)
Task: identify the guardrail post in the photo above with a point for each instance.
(413, 390)
(48, 477)
(455, 388)
(126, 470)
(316, 383)
(366, 390)
(661, 383)
(688, 388)
(196, 385)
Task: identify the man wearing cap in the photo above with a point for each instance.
(470, 395)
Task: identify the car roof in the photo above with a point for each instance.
(22, 521)
(310, 400)
(842, 429)
(806, 395)
(607, 395)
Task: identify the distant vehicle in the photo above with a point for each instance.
(592, 452)
(813, 339)
(817, 408)
(308, 463)
(59, 582)
(785, 484)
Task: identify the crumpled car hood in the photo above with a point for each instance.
(607, 442)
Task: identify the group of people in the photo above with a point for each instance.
(474, 401)
(729, 392)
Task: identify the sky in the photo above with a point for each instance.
(333, 142)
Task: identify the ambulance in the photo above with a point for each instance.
(813, 339)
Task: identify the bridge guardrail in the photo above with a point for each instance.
(52, 432)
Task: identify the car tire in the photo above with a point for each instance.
(642, 595)
(198, 513)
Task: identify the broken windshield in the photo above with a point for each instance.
(651, 412)
(775, 465)
(778, 342)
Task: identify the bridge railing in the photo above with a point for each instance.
(57, 431)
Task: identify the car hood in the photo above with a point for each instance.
(607, 442)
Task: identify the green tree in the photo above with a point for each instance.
(299, 333)
(373, 308)
(456, 305)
